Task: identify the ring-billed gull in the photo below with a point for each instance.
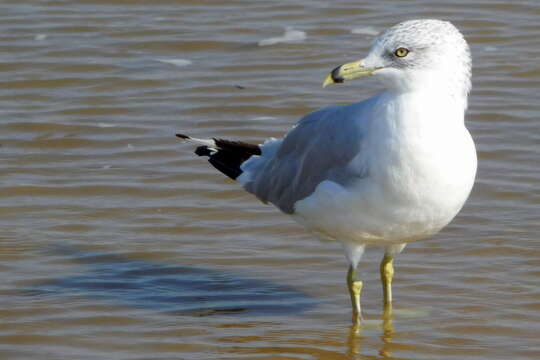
(386, 171)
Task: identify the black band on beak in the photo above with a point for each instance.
(335, 75)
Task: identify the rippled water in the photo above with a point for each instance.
(117, 243)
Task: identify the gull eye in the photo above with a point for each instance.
(401, 52)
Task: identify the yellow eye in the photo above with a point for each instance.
(401, 52)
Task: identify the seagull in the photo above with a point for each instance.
(385, 171)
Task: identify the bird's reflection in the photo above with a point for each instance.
(387, 336)
(175, 289)
(356, 338)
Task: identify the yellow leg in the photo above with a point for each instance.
(355, 288)
(387, 273)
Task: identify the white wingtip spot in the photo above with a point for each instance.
(206, 142)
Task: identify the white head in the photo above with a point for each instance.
(415, 55)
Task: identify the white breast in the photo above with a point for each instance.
(421, 164)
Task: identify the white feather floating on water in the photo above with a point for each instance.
(290, 35)
(366, 30)
(176, 62)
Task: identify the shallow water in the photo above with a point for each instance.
(117, 243)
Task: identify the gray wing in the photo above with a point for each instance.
(319, 148)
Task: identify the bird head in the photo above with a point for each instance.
(414, 55)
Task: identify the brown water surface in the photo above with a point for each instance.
(117, 243)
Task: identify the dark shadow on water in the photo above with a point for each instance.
(171, 289)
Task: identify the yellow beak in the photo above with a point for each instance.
(349, 71)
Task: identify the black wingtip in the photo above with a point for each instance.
(182, 136)
(203, 151)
